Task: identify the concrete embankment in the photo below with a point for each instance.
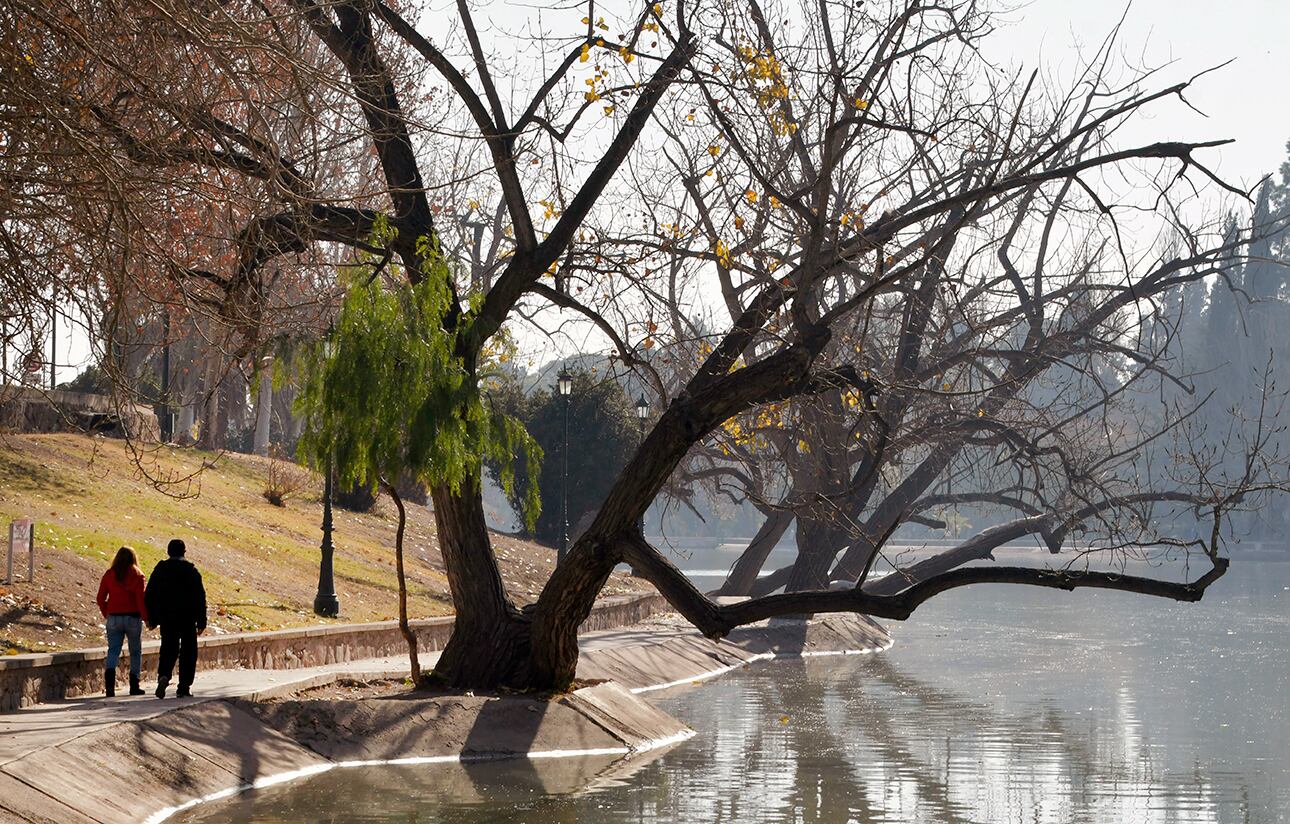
(148, 769)
(45, 677)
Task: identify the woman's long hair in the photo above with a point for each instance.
(125, 561)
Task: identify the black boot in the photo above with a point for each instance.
(109, 682)
(161, 688)
(135, 689)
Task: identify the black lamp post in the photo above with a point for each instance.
(642, 413)
(564, 383)
(326, 603)
(53, 341)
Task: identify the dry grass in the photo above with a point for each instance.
(260, 562)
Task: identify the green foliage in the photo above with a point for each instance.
(603, 434)
(390, 393)
(93, 380)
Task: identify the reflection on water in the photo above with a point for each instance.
(996, 705)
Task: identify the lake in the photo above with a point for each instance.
(996, 704)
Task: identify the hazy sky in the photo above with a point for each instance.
(1249, 100)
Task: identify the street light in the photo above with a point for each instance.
(642, 413)
(564, 383)
(326, 603)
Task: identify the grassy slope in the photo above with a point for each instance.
(260, 562)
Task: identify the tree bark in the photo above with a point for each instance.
(769, 583)
(489, 642)
(404, 627)
(745, 571)
(817, 546)
(264, 407)
(208, 438)
(566, 602)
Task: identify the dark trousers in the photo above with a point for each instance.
(178, 641)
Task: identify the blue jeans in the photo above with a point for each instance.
(119, 628)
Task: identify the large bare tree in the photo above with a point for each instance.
(884, 213)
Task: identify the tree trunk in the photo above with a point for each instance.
(817, 546)
(489, 642)
(184, 428)
(745, 571)
(207, 437)
(264, 407)
(566, 602)
(404, 627)
(769, 583)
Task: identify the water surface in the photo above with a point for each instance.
(997, 704)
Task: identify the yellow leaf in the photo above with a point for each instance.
(980, 413)
(861, 104)
(751, 195)
(714, 150)
(723, 254)
(783, 719)
(609, 110)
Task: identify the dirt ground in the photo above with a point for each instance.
(259, 561)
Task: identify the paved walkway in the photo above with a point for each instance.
(48, 725)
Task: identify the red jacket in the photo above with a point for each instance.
(118, 597)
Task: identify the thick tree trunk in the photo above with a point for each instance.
(489, 642)
(817, 546)
(745, 571)
(825, 477)
(566, 602)
(404, 627)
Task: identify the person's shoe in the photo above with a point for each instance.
(109, 682)
(161, 689)
(183, 692)
(135, 689)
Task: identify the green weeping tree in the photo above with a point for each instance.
(385, 397)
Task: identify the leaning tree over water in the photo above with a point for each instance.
(885, 213)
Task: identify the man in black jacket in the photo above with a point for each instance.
(176, 601)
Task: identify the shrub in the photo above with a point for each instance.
(285, 480)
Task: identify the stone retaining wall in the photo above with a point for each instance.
(32, 679)
(32, 409)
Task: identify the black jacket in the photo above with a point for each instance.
(175, 594)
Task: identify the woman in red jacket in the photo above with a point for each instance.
(120, 600)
